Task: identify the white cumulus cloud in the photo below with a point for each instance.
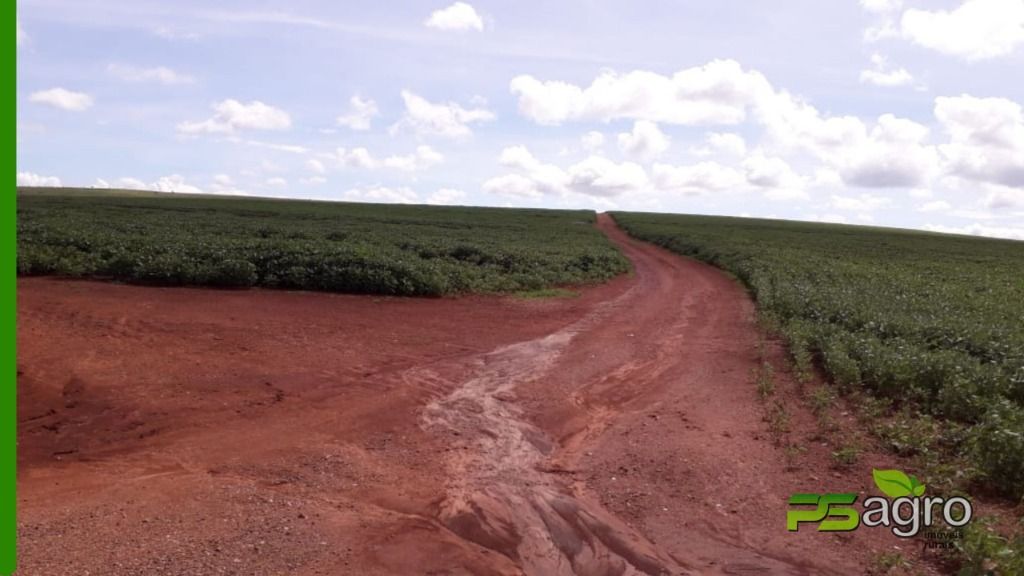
(513, 185)
(33, 179)
(891, 152)
(830, 218)
(696, 179)
(360, 113)
(935, 206)
(130, 183)
(770, 172)
(123, 183)
(174, 183)
(446, 119)
(594, 176)
(974, 30)
(598, 176)
(592, 141)
(881, 6)
(159, 74)
(645, 142)
(63, 99)
(894, 155)
(355, 158)
(986, 139)
(458, 17)
(716, 93)
(727, 142)
(446, 196)
(423, 158)
(999, 197)
(231, 116)
(316, 166)
(882, 74)
(861, 203)
(1009, 232)
(382, 194)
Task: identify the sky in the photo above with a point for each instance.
(881, 112)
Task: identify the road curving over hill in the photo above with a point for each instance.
(269, 432)
(646, 403)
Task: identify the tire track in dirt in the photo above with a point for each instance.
(510, 484)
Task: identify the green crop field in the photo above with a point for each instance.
(167, 239)
(933, 323)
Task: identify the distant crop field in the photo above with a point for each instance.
(933, 323)
(168, 239)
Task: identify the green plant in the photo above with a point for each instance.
(846, 455)
(870, 408)
(764, 376)
(908, 434)
(835, 354)
(997, 445)
(232, 273)
(822, 400)
(886, 563)
(778, 419)
(983, 552)
(546, 293)
(792, 453)
(798, 338)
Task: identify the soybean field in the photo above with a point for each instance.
(168, 239)
(931, 324)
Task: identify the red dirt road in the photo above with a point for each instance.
(187, 431)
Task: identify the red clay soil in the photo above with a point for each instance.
(187, 431)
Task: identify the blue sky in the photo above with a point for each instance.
(882, 112)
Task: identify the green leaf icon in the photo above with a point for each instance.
(917, 487)
(896, 484)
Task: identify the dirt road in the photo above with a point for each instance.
(185, 431)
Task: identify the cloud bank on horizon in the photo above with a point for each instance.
(889, 112)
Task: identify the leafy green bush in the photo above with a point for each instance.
(230, 273)
(997, 444)
(836, 358)
(984, 552)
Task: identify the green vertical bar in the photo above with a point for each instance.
(8, 284)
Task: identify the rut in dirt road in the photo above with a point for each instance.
(507, 487)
